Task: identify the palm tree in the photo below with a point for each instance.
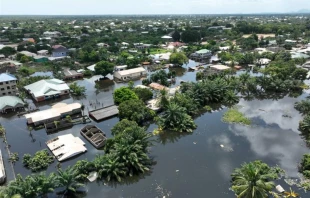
(176, 119)
(45, 184)
(303, 106)
(290, 194)
(69, 180)
(251, 181)
(133, 156)
(112, 168)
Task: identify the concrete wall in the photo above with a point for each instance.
(8, 88)
(129, 76)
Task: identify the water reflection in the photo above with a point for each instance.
(284, 147)
(281, 112)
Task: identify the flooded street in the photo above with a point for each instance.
(187, 165)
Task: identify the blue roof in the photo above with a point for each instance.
(6, 77)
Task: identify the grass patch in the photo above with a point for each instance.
(304, 86)
(235, 116)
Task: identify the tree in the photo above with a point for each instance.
(303, 106)
(135, 110)
(122, 94)
(254, 180)
(121, 126)
(178, 58)
(104, 68)
(176, 119)
(112, 168)
(300, 74)
(304, 167)
(176, 36)
(41, 160)
(190, 36)
(69, 179)
(143, 94)
(45, 184)
(7, 51)
(76, 89)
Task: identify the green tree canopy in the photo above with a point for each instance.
(178, 58)
(122, 94)
(104, 68)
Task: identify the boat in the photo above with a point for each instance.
(94, 135)
(2, 170)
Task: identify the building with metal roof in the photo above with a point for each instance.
(126, 75)
(10, 103)
(46, 89)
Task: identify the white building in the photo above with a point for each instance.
(58, 111)
(130, 74)
(66, 146)
(52, 34)
(7, 84)
(46, 89)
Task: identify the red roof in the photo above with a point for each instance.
(57, 46)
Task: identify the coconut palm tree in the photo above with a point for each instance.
(176, 119)
(303, 106)
(251, 181)
(69, 180)
(133, 156)
(45, 184)
(112, 168)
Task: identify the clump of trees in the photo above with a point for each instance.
(135, 110)
(41, 160)
(104, 68)
(254, 179)
(178, 58)
(304, 167)
(143, 94)
(77, 89)
(123, 94)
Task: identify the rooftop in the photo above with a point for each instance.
(66, 146)
(131, 71)
(4, 77)
(47, 87)
(10, 101)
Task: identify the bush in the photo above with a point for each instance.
(234, 116)
(41, 160)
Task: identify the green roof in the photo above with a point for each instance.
(11, 101)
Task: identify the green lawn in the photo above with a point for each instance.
(234, 116)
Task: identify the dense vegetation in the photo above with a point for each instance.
(41, 160)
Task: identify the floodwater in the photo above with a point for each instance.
(187, 165)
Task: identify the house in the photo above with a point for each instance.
(263, 61)
(59, 51)
(52, 34)
(102, 45)
(7, 84)
(299, 55)
(42, 52)
(40, 59)
(130, 74)
(219, 67)
(46, 89)
(29, 54)
(10, 103)
(57, 112)
(201, 55)
(31, 40)
(120, 68)
(2, 57)
(66, 146)
(72, 74)
(290, 42)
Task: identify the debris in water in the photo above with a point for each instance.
(280, 189)
(222, 145)
(194, 142)
(176, 170)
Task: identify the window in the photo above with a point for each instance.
(8, 87)
(9, 93)
(66, 91)
(2, 89)
(1, 83)
(7, 82)
(3, 94)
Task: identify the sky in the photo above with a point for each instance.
(106, 7)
